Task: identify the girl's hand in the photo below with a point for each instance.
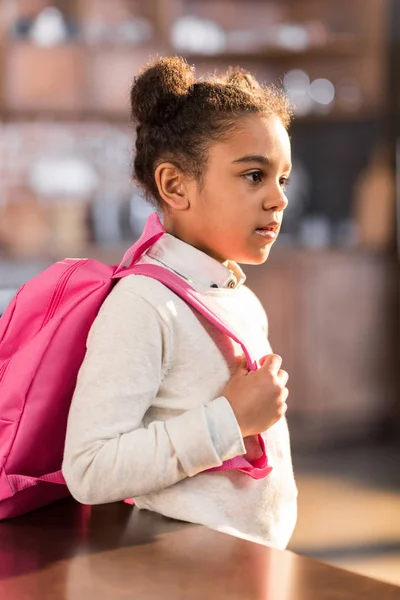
(258, 398)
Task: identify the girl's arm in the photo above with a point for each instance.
(109, 454)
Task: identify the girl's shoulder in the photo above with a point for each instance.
(131, 311)
(144, 287)
(148, 298)
(141, 291)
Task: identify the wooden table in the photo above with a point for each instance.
(111, 552)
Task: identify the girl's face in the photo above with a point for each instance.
(236, 212)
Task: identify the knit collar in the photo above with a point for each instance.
(194, 265)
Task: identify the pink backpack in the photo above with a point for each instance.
(42, 345)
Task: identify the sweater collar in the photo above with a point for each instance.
(194, 265)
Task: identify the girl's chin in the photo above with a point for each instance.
(254, 259)
(249, 256)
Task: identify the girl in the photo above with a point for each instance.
(162, 395)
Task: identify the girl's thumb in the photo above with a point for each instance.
(242, 366)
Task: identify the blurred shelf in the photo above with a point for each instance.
(348, 48)
(337, 116)
(56, 116)
(66, 80)
(71, 89)
(123, 118)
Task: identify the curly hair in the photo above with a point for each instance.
(178, 118)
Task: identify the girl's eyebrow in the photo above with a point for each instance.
(258, 158)
(253, 158)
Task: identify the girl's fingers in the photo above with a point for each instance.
(283, 376)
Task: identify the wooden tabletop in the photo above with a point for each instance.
(72, 552)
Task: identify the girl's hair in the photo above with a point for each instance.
(178, 118)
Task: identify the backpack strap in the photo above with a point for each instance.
(22, 482)
(152, 232)
(192, 297)
(259, 467)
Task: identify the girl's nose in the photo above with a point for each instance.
(276, 200)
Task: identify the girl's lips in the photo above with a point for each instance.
(268, 233)
(272, 226)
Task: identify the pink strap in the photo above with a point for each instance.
(22, 482)
(192, 297)
(257, 468)
(153, 230)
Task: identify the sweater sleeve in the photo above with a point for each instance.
(109, 454)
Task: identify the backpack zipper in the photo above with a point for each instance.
(59, 291)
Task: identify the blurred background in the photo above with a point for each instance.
(330, 286)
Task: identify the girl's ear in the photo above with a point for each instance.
(171, 184)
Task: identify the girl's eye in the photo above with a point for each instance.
(284, 182)
(254, 177)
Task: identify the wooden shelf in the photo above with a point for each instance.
(348, 48)
(81, 95)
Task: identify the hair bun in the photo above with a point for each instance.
(158, 92)
(243, 79)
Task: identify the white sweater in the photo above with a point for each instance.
(147, 417)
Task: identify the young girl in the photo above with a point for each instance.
(162, 395)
